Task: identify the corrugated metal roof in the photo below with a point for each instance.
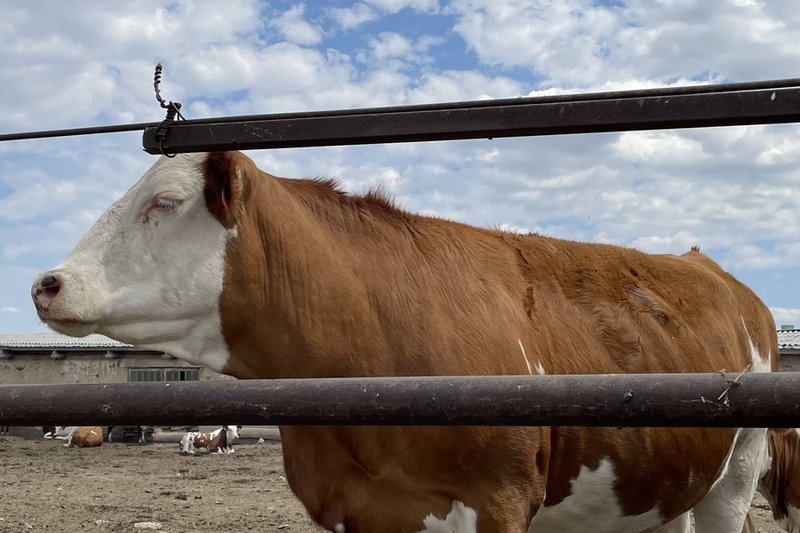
(789, 339)
(51, 339)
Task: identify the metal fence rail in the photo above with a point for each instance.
(768, 102)
(618, 400)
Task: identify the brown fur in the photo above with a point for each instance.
(322, 284)
(87, 437)
(781, 484)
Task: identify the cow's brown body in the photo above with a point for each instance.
(317, 283)
(355, 287)
(85, 437)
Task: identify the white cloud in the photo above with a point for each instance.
(13, 251)
(390, 44)
(393, 6)
(658, 147)
(101, 56)
(353, 16)
(582, 43)
(10, 310)
(784, 316)
(295, 28)
(784, 151)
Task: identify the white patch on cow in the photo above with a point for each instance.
(460, 519)
(61, 432)
(725, 506)
(593, 506)
(792, 522)
(150, 271)
(538, 366)
(757, 363)
(186, 444)
(681, 524)
(338, 528)
(525, 356)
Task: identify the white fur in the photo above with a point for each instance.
(61, 432)
(525, 356)
(725, 507)
(460, 519)
(757, 362)
(68, 438)
(792, 522)
(593, 506)
(681, 524)
(539, 367)
(155, 280)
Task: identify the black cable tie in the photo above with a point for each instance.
(173, 110)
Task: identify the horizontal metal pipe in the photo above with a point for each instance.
(71, 132)
(643, 93)
(620, 400)
(583, 113)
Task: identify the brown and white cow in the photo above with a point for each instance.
(84, 437)
(780, 484)
(214, 261)
(57, 432)
(218, 441)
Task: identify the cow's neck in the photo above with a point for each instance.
(296, 302)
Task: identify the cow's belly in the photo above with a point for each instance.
(629, 480)
(593, 506)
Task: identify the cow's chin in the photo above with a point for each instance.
(71, 328)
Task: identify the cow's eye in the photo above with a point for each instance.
(165, 204)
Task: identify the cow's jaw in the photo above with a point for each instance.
(148, 273)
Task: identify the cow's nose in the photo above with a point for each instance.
(45, 290)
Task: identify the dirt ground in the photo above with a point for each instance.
(44, 486)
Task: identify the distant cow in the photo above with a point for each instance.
(84, 437)
(216, 262)
(57, 432)
(218, 441)
(780, 485)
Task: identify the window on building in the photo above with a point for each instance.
(181, 374)
(145, 374)
(139, 375)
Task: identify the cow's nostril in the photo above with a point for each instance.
(52, 290)
(46, 290)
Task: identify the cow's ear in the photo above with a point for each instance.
(225, 185)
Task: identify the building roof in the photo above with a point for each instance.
(789, 339)
(51, 339)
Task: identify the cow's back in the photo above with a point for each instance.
(87, 437)
(597, 308)
(604, 309)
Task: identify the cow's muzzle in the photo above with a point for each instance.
(44, 291)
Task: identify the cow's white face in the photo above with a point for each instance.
(149, 272)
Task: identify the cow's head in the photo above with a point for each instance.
(150, 271)
(232, 433)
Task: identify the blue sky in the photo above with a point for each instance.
(733, 191)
